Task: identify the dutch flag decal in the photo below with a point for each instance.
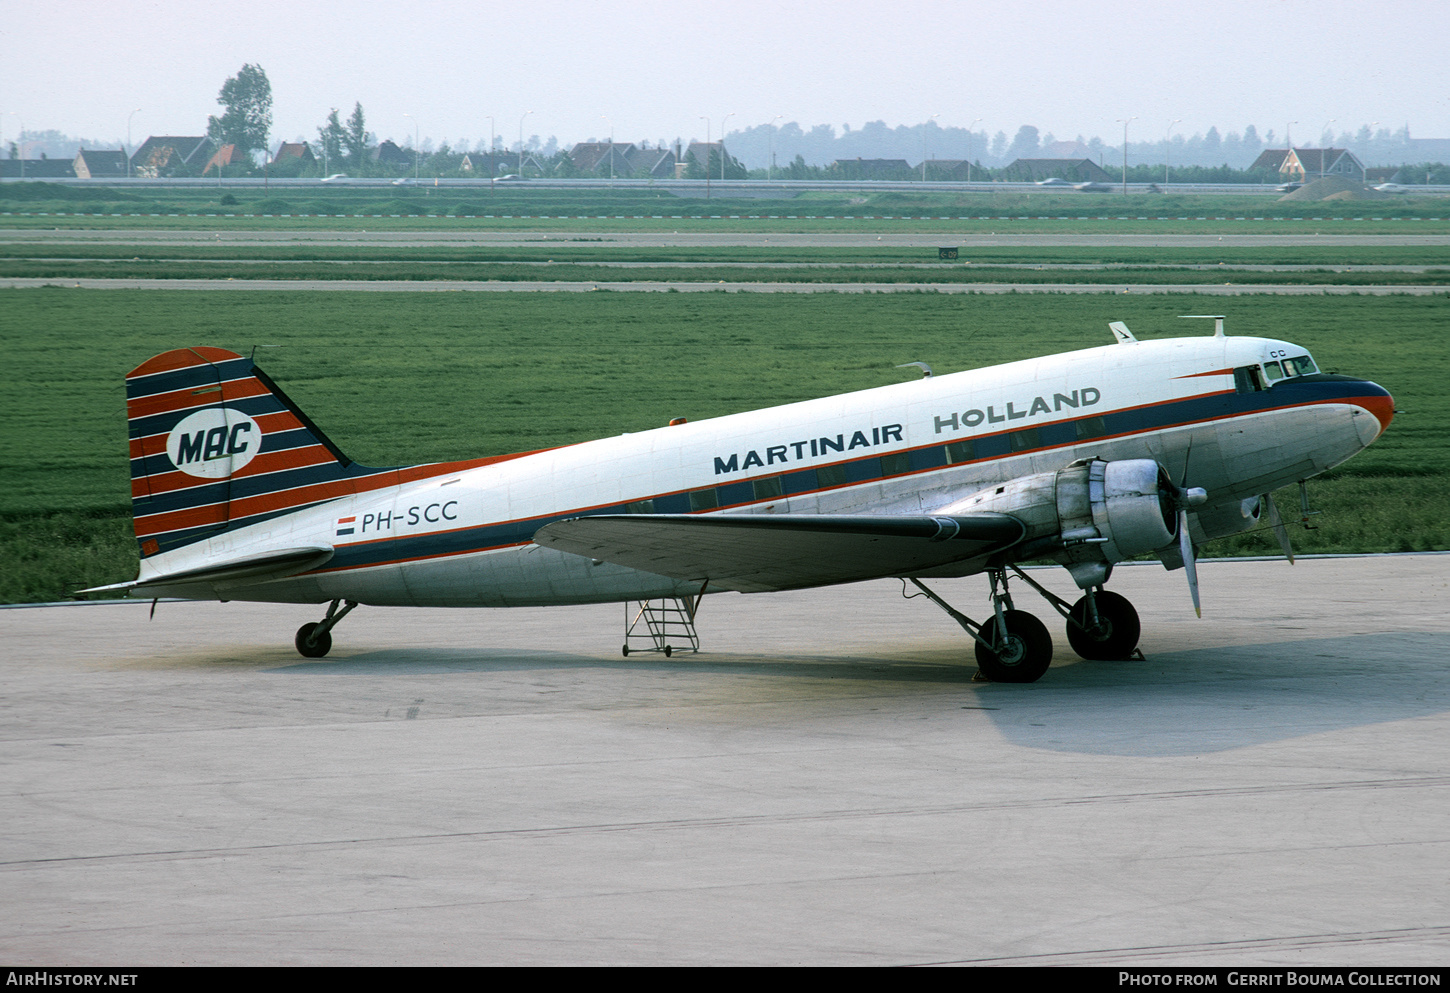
(344, 525)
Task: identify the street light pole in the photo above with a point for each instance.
(415, 145)
(707, 156)
(969, 147)
(722, 143)
(521, 143)
(606, 120)
(128, 140)
(1364, 166)
(1167, 149)
(1125, 124)
(1326, 147)
(492, 167)
(770, 150)
(923, 144)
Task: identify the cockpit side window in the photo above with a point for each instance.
(1273, 372)
(1248, 379)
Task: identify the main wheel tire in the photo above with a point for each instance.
(1026, 655)
(313, 646)
(1114, 638)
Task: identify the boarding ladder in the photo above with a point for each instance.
(663, 625)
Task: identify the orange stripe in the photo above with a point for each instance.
(281, 420)
(181, 358)
(294, 458)
(264, 503)
(161, 403)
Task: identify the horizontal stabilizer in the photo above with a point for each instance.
(756, 553)
(239, 571)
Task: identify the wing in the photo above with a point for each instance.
(756, 553)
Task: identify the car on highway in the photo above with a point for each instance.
(336, 177)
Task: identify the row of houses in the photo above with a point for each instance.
(162, 156)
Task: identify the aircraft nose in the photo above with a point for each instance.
(1377, 400)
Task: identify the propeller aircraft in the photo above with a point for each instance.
(1087, 459)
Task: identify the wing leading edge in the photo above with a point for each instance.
(758, 553)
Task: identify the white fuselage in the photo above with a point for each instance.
(464, 538)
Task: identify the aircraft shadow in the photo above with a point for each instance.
(1176, 702)
(1215, 699)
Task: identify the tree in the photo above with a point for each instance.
(357, 137)
(331, 137)
(1025, 145)
(247, 97)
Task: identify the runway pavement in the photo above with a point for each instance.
(823, 784)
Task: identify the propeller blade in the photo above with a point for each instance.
(1190, 567)
(1280, 531)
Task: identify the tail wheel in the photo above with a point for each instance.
(1116, 634)
(1024, 657)
(313, 646)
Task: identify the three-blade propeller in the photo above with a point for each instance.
(1186, 497)
(1280, 531)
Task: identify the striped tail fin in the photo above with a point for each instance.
(216, 446)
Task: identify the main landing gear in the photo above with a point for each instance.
(1015, 647)
(314, 639)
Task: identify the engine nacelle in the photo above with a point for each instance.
(1088, 516)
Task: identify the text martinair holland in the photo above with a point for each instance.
(956, 421)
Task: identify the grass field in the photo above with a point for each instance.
(448, 207)
(400, 378)
(590, 260)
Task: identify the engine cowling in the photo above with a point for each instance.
(1088, 516)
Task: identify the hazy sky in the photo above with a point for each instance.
(654, 68)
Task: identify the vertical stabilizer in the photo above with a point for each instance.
(215, 445)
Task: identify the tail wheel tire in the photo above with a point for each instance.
(1024, 657)
(313, 646)
(1116, 634)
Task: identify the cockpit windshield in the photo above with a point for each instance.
(1298, 365)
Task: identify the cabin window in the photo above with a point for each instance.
(895, 464)
(1023, 440)
(704, 499)
(766, 489)
(1272, 372)
(831, 475)
(1300, 365)
(641, 507)
(961, 451)
(1091, 427)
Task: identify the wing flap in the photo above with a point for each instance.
(763, 552)
(238, 571)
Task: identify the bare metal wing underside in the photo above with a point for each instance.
(757, 553)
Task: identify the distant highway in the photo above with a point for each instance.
(721, 286)
(698, 188)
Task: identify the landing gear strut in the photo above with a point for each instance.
(1102, 626)
(314, 639)
(1012, 647)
